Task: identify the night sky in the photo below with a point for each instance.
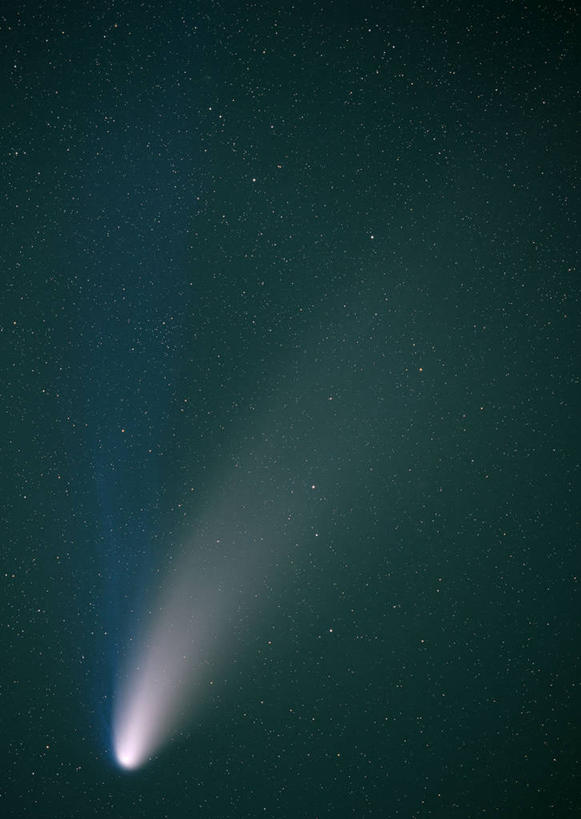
(289, 324)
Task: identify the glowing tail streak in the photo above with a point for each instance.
(244, 537)
(156, 688)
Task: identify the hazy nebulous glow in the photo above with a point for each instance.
(219, 583)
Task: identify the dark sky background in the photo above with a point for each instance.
(303, 272)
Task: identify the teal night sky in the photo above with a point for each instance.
(290, 327)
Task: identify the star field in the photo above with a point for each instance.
(289, 298)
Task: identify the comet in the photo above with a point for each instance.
(191, 625)
(247, 528)
(209, 599)
(155, 689)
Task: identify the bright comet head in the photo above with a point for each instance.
(129, 744)
(127, 759)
